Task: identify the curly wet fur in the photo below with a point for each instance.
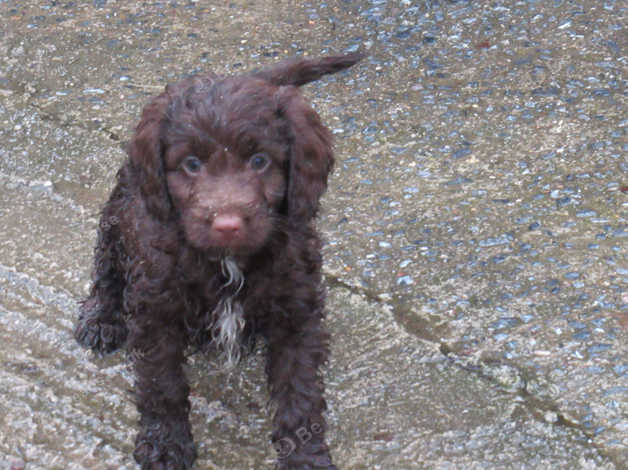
(229, 314)
(207, 242)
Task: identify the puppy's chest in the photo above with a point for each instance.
(225, 303)
(227, 292)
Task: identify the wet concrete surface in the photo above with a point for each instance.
(475, 227)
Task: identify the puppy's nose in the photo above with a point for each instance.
(227, 225)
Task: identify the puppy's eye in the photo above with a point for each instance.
(191, 164)
(259, 162)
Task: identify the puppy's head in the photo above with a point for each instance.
(227, 157)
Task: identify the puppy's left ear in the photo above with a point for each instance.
(145, 152)
(311, 156)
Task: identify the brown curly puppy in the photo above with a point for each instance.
(208, 241)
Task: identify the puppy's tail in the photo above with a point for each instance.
(298, 72)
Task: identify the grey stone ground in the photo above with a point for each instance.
(475, 226)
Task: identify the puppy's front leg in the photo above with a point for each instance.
(161, 393)
(100, 326)
(297, 389)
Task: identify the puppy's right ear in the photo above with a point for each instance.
(311, 156)
(146, 153)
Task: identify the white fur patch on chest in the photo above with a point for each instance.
(229, 314)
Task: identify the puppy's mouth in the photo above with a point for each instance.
(227, 233)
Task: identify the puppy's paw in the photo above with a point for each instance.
(96, 332)
(294, 461)
(304, 466)
(158, 449)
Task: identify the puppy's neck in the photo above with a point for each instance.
(229, 314)
(232, 273)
